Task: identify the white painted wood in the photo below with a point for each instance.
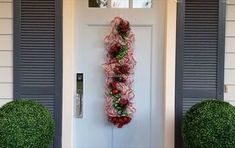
(230, 94)
(6, 58)
(229, 60)
(68, 74)
(169, 86)
(6, 42)
(6, 26)
(230, 44)
(8, 1)
(142, 86)
(230, 28)
(3, 101)
(94, 120)
(146, 130)
(6, 10)
(230, 1)
(6, 91)
(230, 15)
(6, 70)
(230, 54)
(229, 77)
(6, 74)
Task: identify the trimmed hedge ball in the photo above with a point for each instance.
(25, 124)
(210, 124)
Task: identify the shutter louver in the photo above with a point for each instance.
(200, 56)
(37, 56)
(200, 51)
(37, 61)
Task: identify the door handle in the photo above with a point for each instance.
(79, 104)
(79, 96)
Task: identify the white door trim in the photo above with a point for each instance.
(68, 73)
(170, 57)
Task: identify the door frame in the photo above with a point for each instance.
(170, 66)
(69, 73)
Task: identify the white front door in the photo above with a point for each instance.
(146, 128)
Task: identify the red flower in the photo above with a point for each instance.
(113, 85)
(122, 121)
(116, 70)
(123, 102)
(119, 121)
(124, 69)
(123, 27)
(114, 50)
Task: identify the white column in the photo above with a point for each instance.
(68, 73)
(170, 45)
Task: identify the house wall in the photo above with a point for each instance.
(6, 51)
(229, 94)
(6, 64)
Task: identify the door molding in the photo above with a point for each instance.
(68, 73)
(170, 56)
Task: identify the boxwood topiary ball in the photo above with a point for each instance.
(210, 124)
(25, 124)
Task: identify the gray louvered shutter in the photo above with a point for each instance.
(38, 55)
(200, 55)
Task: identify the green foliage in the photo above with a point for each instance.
(123, 52)
(25, 124)
(210, 124)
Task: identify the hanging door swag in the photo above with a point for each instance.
(119, 70)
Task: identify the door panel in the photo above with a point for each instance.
(145, 130)
(93, 125)
(140, 127)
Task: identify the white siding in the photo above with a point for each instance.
(230, 1)
(6, 42)
(6, 10)
(230, 29)
(229, 95)
(230, 45)
(230, 12)
(230, 60)
(6, 50)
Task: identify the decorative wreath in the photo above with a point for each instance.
(119, 70)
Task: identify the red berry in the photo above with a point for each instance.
(115, 91)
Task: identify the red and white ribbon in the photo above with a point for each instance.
(119, 70)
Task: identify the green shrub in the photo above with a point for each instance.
(25, 124)
(209, 124)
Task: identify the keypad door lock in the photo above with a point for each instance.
(79, 96)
